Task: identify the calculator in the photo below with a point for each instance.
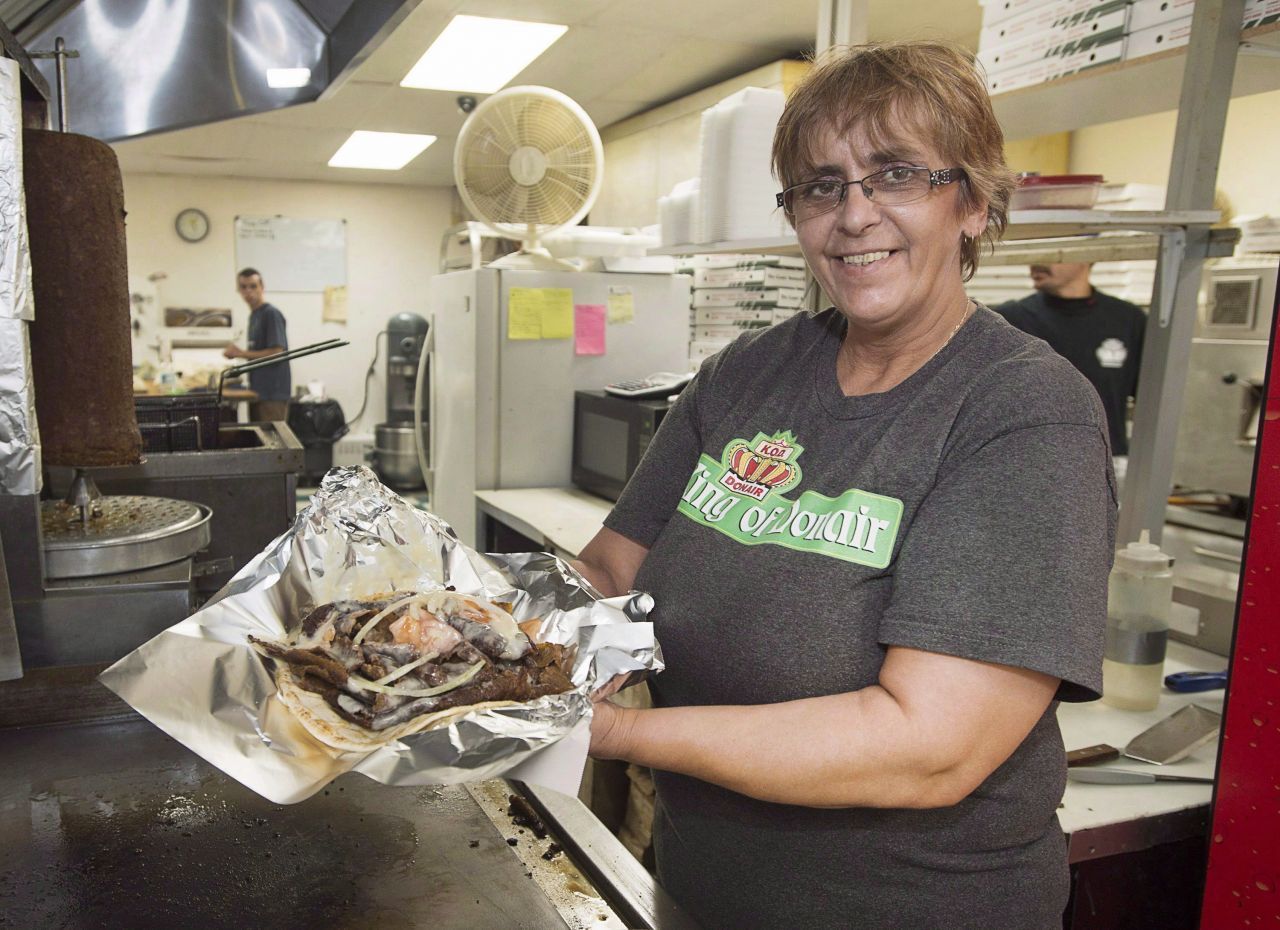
(658, 384)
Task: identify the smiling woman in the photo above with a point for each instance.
(855, 526)
(895, 174)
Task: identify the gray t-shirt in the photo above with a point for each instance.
(795, 533)
(267, 331)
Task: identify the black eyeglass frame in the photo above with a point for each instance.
(936, 179)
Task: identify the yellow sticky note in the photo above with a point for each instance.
(557, 312)
(622, 307)
(335, 304)
(524, 313)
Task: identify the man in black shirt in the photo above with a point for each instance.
(1101, 335)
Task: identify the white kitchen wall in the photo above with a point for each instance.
(1138, 150)
(393, 246)
(647, 155)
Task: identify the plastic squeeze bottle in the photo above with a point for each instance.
(1139, 593)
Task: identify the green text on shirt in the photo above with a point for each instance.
(742, 496)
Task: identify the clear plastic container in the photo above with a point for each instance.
(1139, 594)
(1056, 192)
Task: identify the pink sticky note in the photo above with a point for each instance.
(588, 329)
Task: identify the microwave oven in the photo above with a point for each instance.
(610, 435)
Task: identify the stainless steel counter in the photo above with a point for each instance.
(115, 825)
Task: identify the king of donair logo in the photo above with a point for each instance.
(741, 496)
(765, 464)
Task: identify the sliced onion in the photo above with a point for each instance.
(455, 682)
(460, 605)
(395, 605)
(406, 669)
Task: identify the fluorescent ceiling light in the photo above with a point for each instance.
(387, 151)
(480, 55)
(288, 77)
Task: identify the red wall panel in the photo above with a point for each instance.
(1243, 882)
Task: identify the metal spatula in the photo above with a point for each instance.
(1176, 736)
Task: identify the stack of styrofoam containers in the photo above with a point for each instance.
(995, 284)
(1130, 197)
(736, 186)
(1130, 280)
(1026, 42)
(676, 214)
(1258, 233)
(1157, 25)
(1133, 281)
(738, 292)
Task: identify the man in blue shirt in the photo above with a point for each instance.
(273, 383)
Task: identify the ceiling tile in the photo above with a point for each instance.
(927, 19)
(607, 112)
(590, 61)
(675, 17)
(619, 58)
(790, 26)
(564, 12)
(686, 65)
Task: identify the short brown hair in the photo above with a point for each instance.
(249, 273)
(930, 88)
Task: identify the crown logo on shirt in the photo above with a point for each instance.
(765, 464)
(1112, 353)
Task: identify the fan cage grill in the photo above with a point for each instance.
(542, 123)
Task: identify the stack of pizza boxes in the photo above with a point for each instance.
(1159, 25)
(733, 293)
(1026, 42)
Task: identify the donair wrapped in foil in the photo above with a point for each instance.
(203, 683)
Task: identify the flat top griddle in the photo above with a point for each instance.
(115, 825)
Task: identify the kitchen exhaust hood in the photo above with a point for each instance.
(148, 66)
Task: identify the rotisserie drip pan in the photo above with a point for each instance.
(126, 533)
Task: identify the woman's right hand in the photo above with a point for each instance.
(610, 562)
(610, 729)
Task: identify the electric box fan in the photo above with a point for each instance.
(528, 162)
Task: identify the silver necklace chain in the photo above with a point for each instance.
(964, 317)
(970, 306)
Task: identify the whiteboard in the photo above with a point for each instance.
(293, 254)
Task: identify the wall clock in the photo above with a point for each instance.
(192, 224)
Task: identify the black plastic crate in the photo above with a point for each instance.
(178, 422)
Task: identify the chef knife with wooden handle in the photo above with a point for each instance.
(1127, 777)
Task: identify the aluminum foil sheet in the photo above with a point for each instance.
(202, 683)
(20, 462)
(15, 252)
(19, 437)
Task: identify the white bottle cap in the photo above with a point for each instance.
(1143, 555)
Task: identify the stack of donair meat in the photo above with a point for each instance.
(734, 293)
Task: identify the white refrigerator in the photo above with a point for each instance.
(500, 411)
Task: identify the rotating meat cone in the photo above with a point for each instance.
(80, 339)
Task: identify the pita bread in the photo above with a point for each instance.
(327, 726)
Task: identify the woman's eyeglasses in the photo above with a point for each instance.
(890, 187)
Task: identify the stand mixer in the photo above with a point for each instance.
(395, 455)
